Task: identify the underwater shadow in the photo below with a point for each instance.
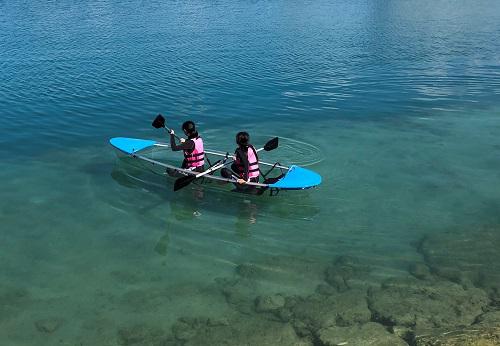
(216, 197)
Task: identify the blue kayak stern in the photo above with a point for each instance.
(298, 178)
(131, 145)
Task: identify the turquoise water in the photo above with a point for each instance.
(395, 103)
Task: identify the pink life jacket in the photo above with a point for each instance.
(195, 157)
(253, 164)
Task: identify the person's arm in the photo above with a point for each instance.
(245, 166)
(244, 162)
(187, 145)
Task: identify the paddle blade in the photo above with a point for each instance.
(183, 182)
(226, 173)
(159, 122)
(272, 144)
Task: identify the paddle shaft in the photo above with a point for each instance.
(168, 130)
(211, 169)
(158, 163)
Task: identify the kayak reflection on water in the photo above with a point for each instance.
(210, 197)
(246, 217)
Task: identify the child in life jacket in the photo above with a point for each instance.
(246, 162)
(194, 156)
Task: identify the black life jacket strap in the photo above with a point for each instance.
(194, 155)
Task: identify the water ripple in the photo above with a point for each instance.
(78, 66)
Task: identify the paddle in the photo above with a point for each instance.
(228, 174)
(271, 145)
(159, 123)
(185, 181)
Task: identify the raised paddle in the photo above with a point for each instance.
(185, 181)
(159, 123)
(270, 145)
(228, 174)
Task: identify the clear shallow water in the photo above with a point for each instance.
(398, 101)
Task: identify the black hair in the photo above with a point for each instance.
(242, 139)
(190, 129)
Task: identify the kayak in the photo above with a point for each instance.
(290, 177)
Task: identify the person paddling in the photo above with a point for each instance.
(246, 162)
(194, 156)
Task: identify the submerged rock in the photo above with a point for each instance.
(426, 304)
(186, 328)
(420, 271)
(269, 303)
(141, 334)
(342, 309)
(466, 336)
(405, 333)
(369, 334)
(239, 293)
(217, 321)
(347, 272)
(489, 318)
(325, 289)
(250, 271)
(466, 256)
(48, 325)
(244, 331)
